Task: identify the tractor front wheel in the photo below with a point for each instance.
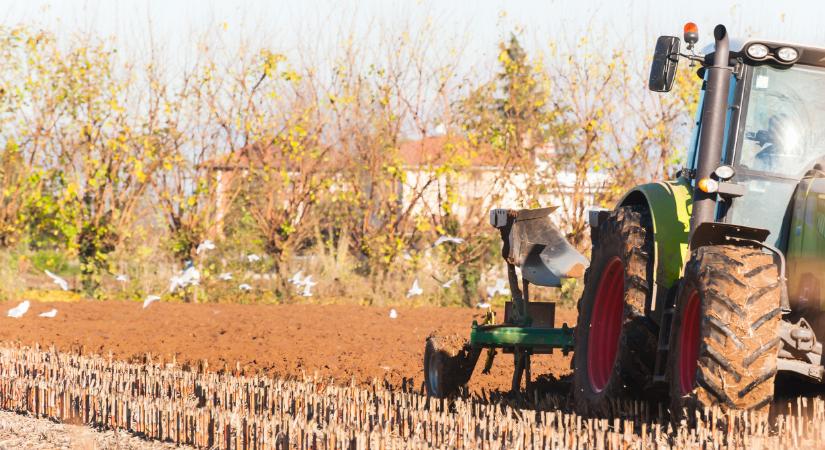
(725, 341)
(448, 364)
(615, 341)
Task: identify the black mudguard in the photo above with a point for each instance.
(717, 233)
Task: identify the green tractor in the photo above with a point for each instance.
(706, 286)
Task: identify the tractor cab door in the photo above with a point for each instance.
(780, 136)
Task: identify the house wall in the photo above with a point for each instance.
(481, 189)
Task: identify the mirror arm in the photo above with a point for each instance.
(693, 57)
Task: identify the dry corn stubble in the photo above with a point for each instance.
(209, 410)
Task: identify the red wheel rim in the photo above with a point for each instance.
(689, 344)
(605, 325)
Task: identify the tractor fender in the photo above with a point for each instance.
(669, 203)
(716, 233)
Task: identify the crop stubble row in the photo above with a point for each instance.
(211, 410)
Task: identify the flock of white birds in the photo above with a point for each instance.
(415, 290)
(21, 309)
(191, 276)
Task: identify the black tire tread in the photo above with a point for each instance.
(455, 360)
(739, 345)
(628, 233)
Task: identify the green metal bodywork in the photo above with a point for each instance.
(670, 204)
(506, 336)
(806, 244)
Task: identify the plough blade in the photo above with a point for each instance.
(534, 244)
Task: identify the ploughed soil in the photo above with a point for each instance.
(343, 342)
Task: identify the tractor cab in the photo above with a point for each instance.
(771, 114)
(773, 134)
(779, 140)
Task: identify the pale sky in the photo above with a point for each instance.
(480, 24)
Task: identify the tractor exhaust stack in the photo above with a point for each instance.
(711, 140)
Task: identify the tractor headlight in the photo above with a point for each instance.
(724, 173)
(757, 51)
(787, 54)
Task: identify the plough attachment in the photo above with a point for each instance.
(533, 246)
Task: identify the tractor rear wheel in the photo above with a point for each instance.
(448, 364)
(725, 337)
(615, 342)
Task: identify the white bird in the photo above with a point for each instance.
(393, 314)
(149, 300)
(189, 277)
(308, 284)
(245, 287)
(18, 311)
(307, 281)
(122, 278)
(205, 246)
(451, 239)
(415, 289)
(499, 288)
(449, 283)
(307, 292)
(297, 278)
(483, 305)
(226, 276)
(58, 281)
(50, 314)
(253, 258)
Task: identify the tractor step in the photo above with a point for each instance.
(663, 346)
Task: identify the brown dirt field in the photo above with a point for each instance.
(340, 341)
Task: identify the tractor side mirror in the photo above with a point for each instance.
(665, 60)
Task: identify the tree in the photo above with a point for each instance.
(100, 140)
(24, 119)
(600, 151)
(283, 166)
(189, 190)
(505, 123)
(17, 182)
(665, 121)
(377, 103)
(289, 174)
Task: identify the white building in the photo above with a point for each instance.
(481, 181)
